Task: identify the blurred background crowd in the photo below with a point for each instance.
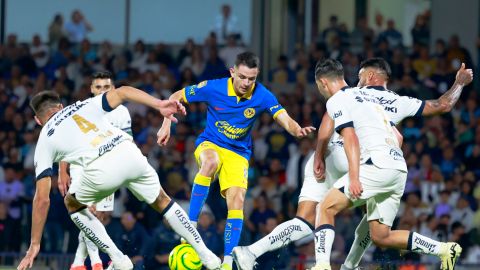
(443, 152)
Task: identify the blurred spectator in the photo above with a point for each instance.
(456, 54)
(11, 193)
(7, 227)
(208, 231)
(229, 53)
(443, 207)
(78, 27)
(226, 23)
(331, 31)
(39, 51)
(194, 61)
(424, 65)
(282, 73)
(392, 35)
(420, 31)
(56, 30)
(214, 67)
(296, 166)
(164, 239)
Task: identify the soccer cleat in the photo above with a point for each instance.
(124, 264)
(226, 266)
(211, 262)
(321, 266)
(244, 258)
(449, 254)
(79, 267)
(97, 266)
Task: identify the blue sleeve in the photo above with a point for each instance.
(198, 92)
(271, 104)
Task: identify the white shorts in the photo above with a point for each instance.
(104, 205)
(336, 165)
(125, 166)
(382, 192)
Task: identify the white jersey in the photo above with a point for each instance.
(359, 108)
(120, 118)
(78, 134)
(396, 107)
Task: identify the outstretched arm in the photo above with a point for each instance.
(41, 204)
(163, 134)
(291, 126)
(126, 93)
(447, 101)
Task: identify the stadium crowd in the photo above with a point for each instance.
(443, 152)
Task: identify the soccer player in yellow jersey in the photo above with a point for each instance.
(225, 146)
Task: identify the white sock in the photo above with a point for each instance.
(282, 235)
(194, 223)
(81, 253)
(324, 236)
(361, 243)
(95, 231)
(422, 244)
(228, 260)
(92, 250)
(180, 223)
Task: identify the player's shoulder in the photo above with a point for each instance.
(214, 83)
(121, 109)
(262, 91)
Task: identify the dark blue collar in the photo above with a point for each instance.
(376, 87)
(344, 88)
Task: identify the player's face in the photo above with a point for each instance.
(243, 78)
(101, 85)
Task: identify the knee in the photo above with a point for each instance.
(71, 203)
(209, 166)
(328, 209)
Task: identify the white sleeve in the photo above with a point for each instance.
(409, 106)
(43, 159)
(125, 121)
(337, 109)
(101, 103)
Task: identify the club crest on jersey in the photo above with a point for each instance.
(201, 84)
(249, 112)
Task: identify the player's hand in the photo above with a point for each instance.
(169, 107)
(319, 168)
(163, 135)
(64, 181)
(355, 189)
(464, 76)
(27, 261)
(304, 132)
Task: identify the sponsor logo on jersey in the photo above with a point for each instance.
(337, 114)
(274, 107)
(391, 109)
(384, 101)
(110, 145)
(358, 99)
(231, 131)
(201, 84)
(249, 112)
(396, 154)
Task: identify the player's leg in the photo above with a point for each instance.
(80, 254)
(334, 202)
(105, 204)
(95, 231)
(178, 220)
(360, 244)
(209, 162)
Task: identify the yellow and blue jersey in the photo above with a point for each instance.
(230, 118)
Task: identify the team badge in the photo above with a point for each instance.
(249, 112)
(201, 84)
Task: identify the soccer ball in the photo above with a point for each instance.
(184, 257)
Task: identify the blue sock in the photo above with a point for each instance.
(233, 230)
(201, 185)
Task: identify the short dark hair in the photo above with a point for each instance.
(377, 63)
(328, 68)
(248, 59)
(43, 101)
(102, 75)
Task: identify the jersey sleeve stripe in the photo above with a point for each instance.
(184, 96)
(278, 112)
(420, 110)
(342, 126)
(392, 123)
(105, 105)
(46, 173)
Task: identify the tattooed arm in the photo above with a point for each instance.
(447, 101)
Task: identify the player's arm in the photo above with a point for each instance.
(291, 126)
(167, 108)
(352, 150)
(63, 177)
(398, 135)
(325, 131)
(163, 134)
(447, 101)
(41, 204)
